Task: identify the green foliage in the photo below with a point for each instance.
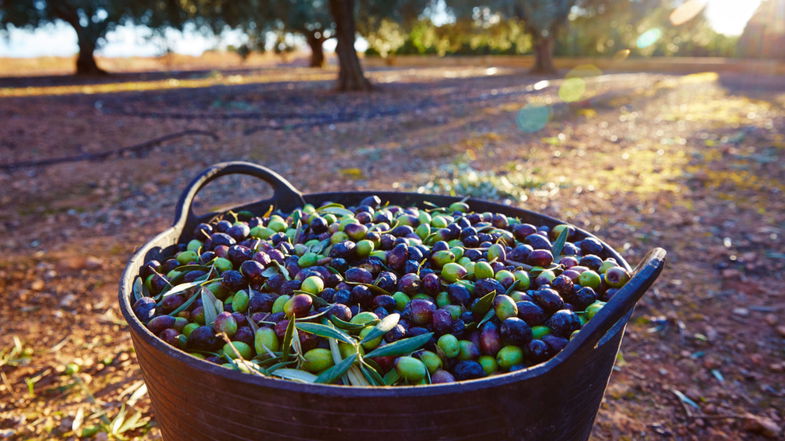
(624, 23)
(463, 180)
(504, 37)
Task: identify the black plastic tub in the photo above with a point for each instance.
(557, 400)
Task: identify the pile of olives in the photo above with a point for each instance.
(376, 294)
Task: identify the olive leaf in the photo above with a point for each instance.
(287, 340)
(401, 347)
(318, 314)
(325, 331)
(391, 377)
(319, 247)
(192, 267)
(371, 375)
(295, 374)
(336, 371)
(383, 327)
(336, 210)
(269, 272)
(558, 246)
(484, 304)
(186, 286)
(137, 288)
(282, 269)
(208, 304)
(298, 348)
(186, 304)
(317, 301)
(371, 286)
(349, 326)
(279, 365)
(487, 317)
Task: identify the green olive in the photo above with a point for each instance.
(265, 340)
(509, 356)
(431, 361)
(401, 300)
(364, 248)
(317, 360)
(222, 264)
(488, 364)
(243, 348)
(589, 278)
(279, 302)
(483, 270)
(313, 285)
(240, 301)
(449, 344)
(364, 318)
(540, 331)
(410, 368)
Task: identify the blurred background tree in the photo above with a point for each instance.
(764, 35)
(309, 18)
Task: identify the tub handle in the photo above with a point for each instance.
(285, 196)
(622, 302)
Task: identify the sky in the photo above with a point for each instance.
(725, 16)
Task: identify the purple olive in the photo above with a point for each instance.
(344, 250)
(358, 275)
(144, 308)
(224, 239)
(538, 242)
(233, 280)
(169, 335)
(442, 376)
(170, 303)
(410, 283)
(398, 256)
(548, 299)
(239, 231)
(203, 338)
(158, 324)
(521, 231)
(252, 270)
(490, 340)
(515, 331)
(244, 334)
(431, 284)
(340, 311)
(537, 351)
(263, 258)
(485, 286)
(616, 277)
(260, 302)
(225, 323)
(387, 281)
(590, 245)
(459, 294)
(441, 321)
(384, 301)
(531, 313)
(563, 285)
(362, 295)
(563, 322)
(555, 344)
(422, 311)
(540, 257)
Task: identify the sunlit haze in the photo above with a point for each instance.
(725, 16)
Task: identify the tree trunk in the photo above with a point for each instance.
(317, 51)
(543, 55)
(85, 61)
(350, 74)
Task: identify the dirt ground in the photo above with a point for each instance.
(693, 164)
